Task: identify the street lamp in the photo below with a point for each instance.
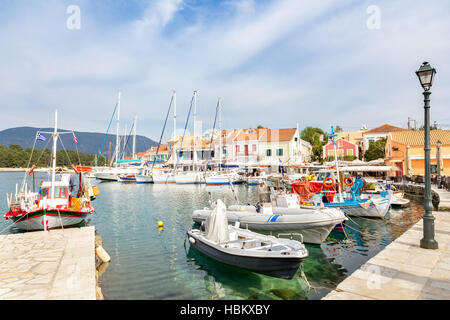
(438, 159)
(426, 76)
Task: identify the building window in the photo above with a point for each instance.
(340, 143)
(269, 152)
(350, 152)
(280, 152)
(254, 148)
(296, 139)
(330, 152)
(237, 149)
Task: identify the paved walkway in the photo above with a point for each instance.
(58, 264)
(403, 270)
(444, 198)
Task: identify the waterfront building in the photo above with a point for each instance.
(356, 138)
(378, 133)
(150, 154)
(346, 150)
(405, 150)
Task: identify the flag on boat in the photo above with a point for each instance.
(74, 138)
(40, 137)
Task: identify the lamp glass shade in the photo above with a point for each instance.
(426, 75)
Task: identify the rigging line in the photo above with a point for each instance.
(43, 150)
(126, 142)
(162, 133)
(107, 130)
(212, 137)
(28, 164)
(184, 132)
(64, 148)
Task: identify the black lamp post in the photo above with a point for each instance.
(438, 159)
(426, 76)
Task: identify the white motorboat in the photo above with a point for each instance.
(256, 180)
(245, 249)
(111, 174)
(145, 176)
(313, 223)
(219, 178)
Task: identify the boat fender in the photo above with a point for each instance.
(160, 224)
(191, 240)
(102, 254)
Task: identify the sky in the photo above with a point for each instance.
(273, 63)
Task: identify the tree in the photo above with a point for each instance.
(260, 127)
(317, 138)
(376, 150)
(338, 129)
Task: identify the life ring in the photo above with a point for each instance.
(348, 181)
(329, 182)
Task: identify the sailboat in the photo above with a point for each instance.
(219, 177)
(195, 176)
(110, 174)
(58, 203)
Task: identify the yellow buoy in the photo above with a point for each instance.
(160, 224)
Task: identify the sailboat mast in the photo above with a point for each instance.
(174, 123)
(194, 159)
(55, 140)
(333, 135)
(220, 134)
(133, 156)
(117, 134)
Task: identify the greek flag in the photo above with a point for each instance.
(40, 137)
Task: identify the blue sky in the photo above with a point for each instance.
(273, 62)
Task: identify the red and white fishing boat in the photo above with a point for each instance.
(58, 203)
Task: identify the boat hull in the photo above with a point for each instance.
(190, 178)
(284, 268)
(35, 220)
(140, 179)
(314, 229)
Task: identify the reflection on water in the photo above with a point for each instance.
(151, 263)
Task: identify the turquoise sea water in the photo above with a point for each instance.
(147, 263)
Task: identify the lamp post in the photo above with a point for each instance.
(426, 76)
(438, 159)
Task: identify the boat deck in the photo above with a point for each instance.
(54, 265)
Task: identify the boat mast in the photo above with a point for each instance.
(194, 159)
(174, 124)
(333, 136)
(133, 156)
(117, 134)
(220, 134)
(55, 140)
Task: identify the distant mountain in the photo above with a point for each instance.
(88, 142)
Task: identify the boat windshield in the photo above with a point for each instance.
(60, 192)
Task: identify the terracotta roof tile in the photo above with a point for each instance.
(278, 134)
(385, 128)
(417, 138)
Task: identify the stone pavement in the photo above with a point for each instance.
(444, 198)
(58, 264)
(403, 270)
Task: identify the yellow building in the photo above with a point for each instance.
(405, 149)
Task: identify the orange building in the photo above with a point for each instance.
(405, 149)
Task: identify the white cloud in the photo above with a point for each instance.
(273, 64)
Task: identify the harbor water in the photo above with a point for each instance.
(148, 262)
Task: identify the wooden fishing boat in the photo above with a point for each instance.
(58, 203)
